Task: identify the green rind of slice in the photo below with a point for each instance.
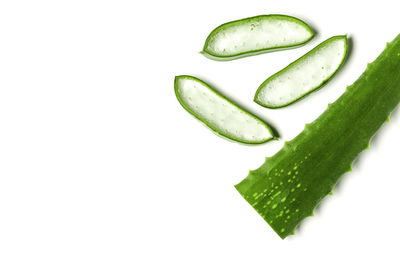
(220, 114)
(303, 76)
(289, 185)
(256, 35)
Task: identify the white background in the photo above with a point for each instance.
(101, 166)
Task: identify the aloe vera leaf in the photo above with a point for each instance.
(289, 185)
(219, 113)
(303, 76)
(255, 35)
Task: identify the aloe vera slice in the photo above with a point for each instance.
(303, 76)
(219, 113)
(256, 35)
(289, 185)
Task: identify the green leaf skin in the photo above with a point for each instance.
(220, 114)
(256, 35)
(289, 185)
(303, 76)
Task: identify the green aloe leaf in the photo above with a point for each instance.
(289, 185)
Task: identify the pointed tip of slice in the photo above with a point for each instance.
(179, 77)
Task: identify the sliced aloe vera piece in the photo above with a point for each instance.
(289, 185)
(303, 76)
(220, 114)
(256, 35)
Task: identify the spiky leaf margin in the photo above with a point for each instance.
(288, 186)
